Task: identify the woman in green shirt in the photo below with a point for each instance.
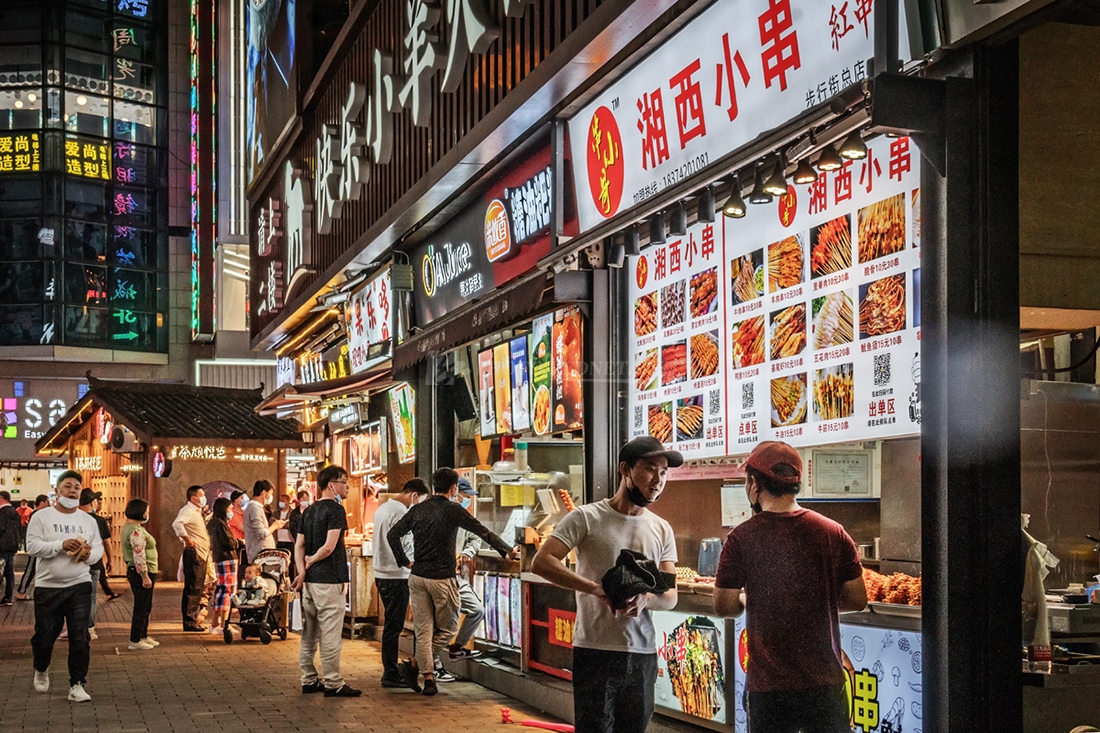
(139, 550)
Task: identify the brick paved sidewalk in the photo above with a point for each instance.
(194, 682)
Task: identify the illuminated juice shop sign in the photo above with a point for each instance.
(435, 43)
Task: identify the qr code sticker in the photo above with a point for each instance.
(639, 420)
(748, 398)
(882, 370)
(715, 405)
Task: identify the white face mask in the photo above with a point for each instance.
(304, 504)
(68, 503)
(269, 499)
(228, 516)
(202, 501)
(282, 505)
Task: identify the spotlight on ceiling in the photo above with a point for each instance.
(679, 220)
(776, 184)
(705, 207)
(759, 194)
(657, 228)
(632, 242)
(734, 207)
(829, 160)
(616, 253)
(805, 172)
(853, 148)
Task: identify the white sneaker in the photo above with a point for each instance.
(42, 681)
(77, 693)
(151, 640)
(216, 630)
(92, 634)
(140, 645)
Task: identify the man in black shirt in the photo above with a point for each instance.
(322, 563)
(433, 587)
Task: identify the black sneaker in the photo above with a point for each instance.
(409, 674)
(7, 602)
(315, 686)
(394, 682)
(463, 653)
(430, 687)
(344, 691)
(442, 675)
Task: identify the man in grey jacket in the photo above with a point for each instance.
(470, 607)
(258, 534)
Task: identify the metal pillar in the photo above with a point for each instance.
(970, 441)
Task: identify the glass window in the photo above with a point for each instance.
(85, 285)
(133, 81)
(20, 324)
(135, 123)
(133, 207)
(133, 247)
(21, 25)
(20, 66)
(87, 71)
(134, 8)
(86, 200)
(131, 289)
(86, 113)
(88, 157)
(20, 282)
(19, 238)
(21, 109)
(87, 30)
(135, 165)
(85, 241)
(133, 41)
(20, 195)
(85, 326)
(132, 330)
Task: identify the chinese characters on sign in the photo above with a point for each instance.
(711, 88)
(20, 153)
(367, 319)
(87, 159)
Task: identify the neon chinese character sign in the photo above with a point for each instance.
(203, 172)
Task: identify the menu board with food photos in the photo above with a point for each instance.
(676, 343)
(503, 387)
(486, 389)
(542, 333)
(521, 387)
(815, 328)
(567, 369)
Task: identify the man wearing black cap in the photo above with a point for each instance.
(88, 500)
(793, 570)
(614, 651)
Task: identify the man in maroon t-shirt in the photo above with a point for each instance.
(793, 570)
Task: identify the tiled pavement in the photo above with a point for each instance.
(194, 680)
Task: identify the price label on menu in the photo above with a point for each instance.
(799, 322)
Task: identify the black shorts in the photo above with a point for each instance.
(816, 710)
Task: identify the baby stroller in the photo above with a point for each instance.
(272, 616)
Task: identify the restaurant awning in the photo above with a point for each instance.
(480, 319)
(288, 399)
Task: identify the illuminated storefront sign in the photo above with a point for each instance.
(88, 463)
(367, 319)
(88, 159)
(20, 153)
(203, 171)
(210, 453)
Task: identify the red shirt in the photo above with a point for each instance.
(792, 567)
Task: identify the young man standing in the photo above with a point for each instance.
(392, 579)
(793, 570)
(66, 543)
(11, 528)
(322, 562)
(259, 534)
(88, 500)
(191, 529)
(615, 651)
(433, 587)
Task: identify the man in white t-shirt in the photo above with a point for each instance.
(392, 579)
(66, 543)
(615, 652)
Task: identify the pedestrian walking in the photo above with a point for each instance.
(433, 587)
(11, 527)
(25, 510)
(223, 551)
(25, 591)
(614, 650)
(794, 571)
(88, 499)
(392, 579)
(258, 531)
(190, 527)
(139, 551)
(105, 527)
(66, 542)
(323, 570)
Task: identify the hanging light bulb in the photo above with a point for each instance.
(759, 194)
(805, 172)
(853, 148)
(776, 184)
(734, 207)
(829, 160)
(705, 208)
(32, 96)
(679, 224)
(81, 100)
(19, 104)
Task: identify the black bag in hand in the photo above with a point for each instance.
(632, 574)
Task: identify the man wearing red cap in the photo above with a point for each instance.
(794, 571)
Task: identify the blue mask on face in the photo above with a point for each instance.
(466, 501)
(228, 516)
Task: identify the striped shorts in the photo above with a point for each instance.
(227, 584)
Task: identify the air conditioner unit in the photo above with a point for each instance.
(123, 441)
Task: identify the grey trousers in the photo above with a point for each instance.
(435, 605)
(471, 605)
(322, 629)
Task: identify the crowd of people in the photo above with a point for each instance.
(425, 539)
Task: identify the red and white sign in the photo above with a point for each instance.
(737, 70)
(367, 317)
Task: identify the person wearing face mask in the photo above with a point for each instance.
(223, 551)
(284, 540)
(258, 533)
(614, 651)
(190, 527)
(139, 550)
(793, 570)
(66, 543)
(470, 607)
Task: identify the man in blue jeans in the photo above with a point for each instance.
(10, 529)
(66, 543)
